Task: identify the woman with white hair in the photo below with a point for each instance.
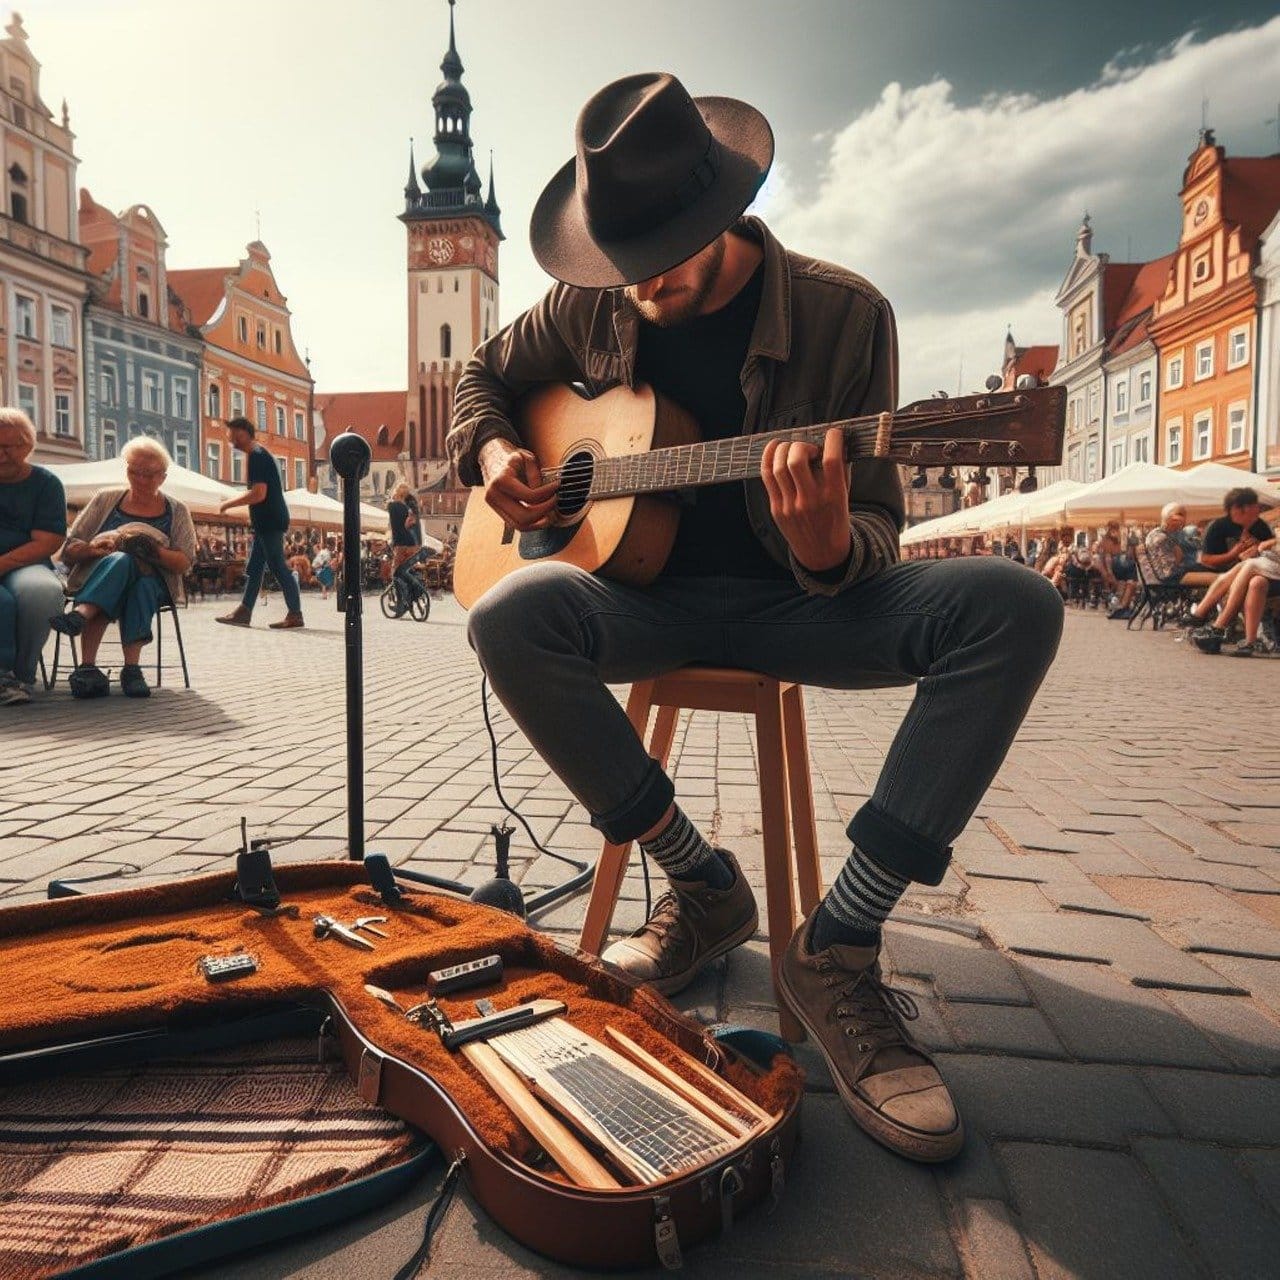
(128, 549)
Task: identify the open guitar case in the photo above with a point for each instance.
(152, 1120)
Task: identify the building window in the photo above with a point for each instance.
(25, 315)
(1091, 460)
(260, 412)
(60, 326)
(299, 473)
(215, 400)
(262, 334)
(151, 401)
(1238, 347)
(181, 398)
(17, 203)
(446, 341)
(1075, 412)
(1200, 268)
(213, 460)
(1174, 428)
(144, 304)
(1236, 414)
(1173, 373)
(1142, 448)
(108, 390)
(1202, 440)
(237, 467)
(27, 402)
(109, 440)
(242, 328)
(182, 454)
(1073, 462)
(1122, 396)
(280, 467)
(1144, 387)
(237, 404)
(279, 340)
(1204, 360)
(62, 413)
(281, 428)
(299, 425)
(1117, 455)
(1093, 404)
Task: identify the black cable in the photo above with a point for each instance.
(434, 1216)
(497, 784)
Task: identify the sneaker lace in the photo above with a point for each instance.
(872, 1010)
(665, 923)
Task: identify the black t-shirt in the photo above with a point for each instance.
(699, 365)
(271, 515)
(401, 533)
(1224, 533)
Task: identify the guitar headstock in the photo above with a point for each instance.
(996, 429)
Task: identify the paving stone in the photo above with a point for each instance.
(1210, 1107)
(1237, 1026)
(993, 1245)
(1263, 1170)
(1234, 1232)
(1089, 899)
(1109, 1223)
(959, 969)
(1258, 942)
(1006, 1029)
(1051, 1101)
(1259, 978)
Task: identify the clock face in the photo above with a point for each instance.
(1201, 212)
(440, 250)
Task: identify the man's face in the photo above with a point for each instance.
(1176, 521)
(1246, 515)
(677, 295)
(15, 449)
(240, 439)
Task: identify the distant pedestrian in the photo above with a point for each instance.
(269, 517)
(406, 535)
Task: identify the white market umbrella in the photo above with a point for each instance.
(1220, 477)
(1138, 492)
(319, 508)
(199, 494)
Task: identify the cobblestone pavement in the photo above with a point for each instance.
(1100, 970)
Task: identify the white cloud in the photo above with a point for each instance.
(965, 215)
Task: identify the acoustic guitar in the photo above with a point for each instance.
(619, 459)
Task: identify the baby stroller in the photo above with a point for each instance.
(406, 592)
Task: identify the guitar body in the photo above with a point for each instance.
(625, 538)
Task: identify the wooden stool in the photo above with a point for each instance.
(783, 746)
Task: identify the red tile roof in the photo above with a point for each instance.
(1251, 194)
(201, 289)
(1040, 362)
(1135, 310)
(378, 416)
(1117, 280)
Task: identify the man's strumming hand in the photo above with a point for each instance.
(513, 485)
(809, 498)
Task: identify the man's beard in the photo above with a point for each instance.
(688, 303)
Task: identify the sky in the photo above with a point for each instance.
(944, 149)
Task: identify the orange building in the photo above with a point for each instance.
(1204, 325)
(252, 369)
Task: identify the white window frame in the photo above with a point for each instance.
(213, 460)
(1122, 396)
(282, 468)
(1173, 441)
(108, 386)
(29, 402)
(180, 387)
(237, 403)
(1203, 420)
(1237, 412)
(152, 391)
(182, 454)
(260, 413)
(1204, 360)
(1144, 387)
(1242, 334)
(299, 425)
(111, 439)
(1091, 451)
(1174, 372)
(1093, 403)
(299, 473)
(237, 467)
(25, 313)
(63, 424)
(282, 421)
(60, 319)
(1118, 451)
(1141, 447)
(215, 410)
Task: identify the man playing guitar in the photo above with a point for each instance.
(662, 281)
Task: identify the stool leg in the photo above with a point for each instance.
(799, 781)
(779, 895)
(611, 867)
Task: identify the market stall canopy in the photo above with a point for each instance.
(319, 508)
(201, 495)
(1043, 509)
(1004, 512)
(1226, 477)
(1138, 492)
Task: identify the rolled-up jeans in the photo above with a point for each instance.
(29, 597)
(125, 595)
(976, 636)
(268, 550)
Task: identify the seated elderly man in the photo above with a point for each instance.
(128, 550)
(1167, 552)
(33, 521)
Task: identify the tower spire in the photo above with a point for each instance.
(452, 64)
(411, 189)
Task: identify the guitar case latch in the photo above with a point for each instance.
(665, 1239)
(369, 1081)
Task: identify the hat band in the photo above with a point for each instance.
(626, 223)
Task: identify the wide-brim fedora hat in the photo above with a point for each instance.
(657, 176)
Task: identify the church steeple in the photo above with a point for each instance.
(411, 188)
(491, 204)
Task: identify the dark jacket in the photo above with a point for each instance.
(824, 347)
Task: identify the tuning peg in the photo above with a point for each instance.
(1029, 483)
(947, 480)
(920, 479)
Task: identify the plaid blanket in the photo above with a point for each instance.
(94, 1164)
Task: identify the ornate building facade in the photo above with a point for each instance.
(252, 368)
(142, 360)
(1267, 449)
(43, 281)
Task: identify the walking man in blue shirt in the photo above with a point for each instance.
(270, 519)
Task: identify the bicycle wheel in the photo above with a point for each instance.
(421, 605)
(392, 601)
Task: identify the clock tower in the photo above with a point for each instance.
(454, 231)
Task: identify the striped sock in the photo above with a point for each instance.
(863, 895)
(683, 854)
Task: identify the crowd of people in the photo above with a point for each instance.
(1234, 562)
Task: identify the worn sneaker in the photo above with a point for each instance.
(288, 623)
(12, 691)
(89, 682)
(238, 617)
(1208, 639)
(70, 623)
(690, 926)
(133, 684)
(1247, 649)
(889, 1085)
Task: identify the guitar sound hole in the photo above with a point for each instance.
(575, 484)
